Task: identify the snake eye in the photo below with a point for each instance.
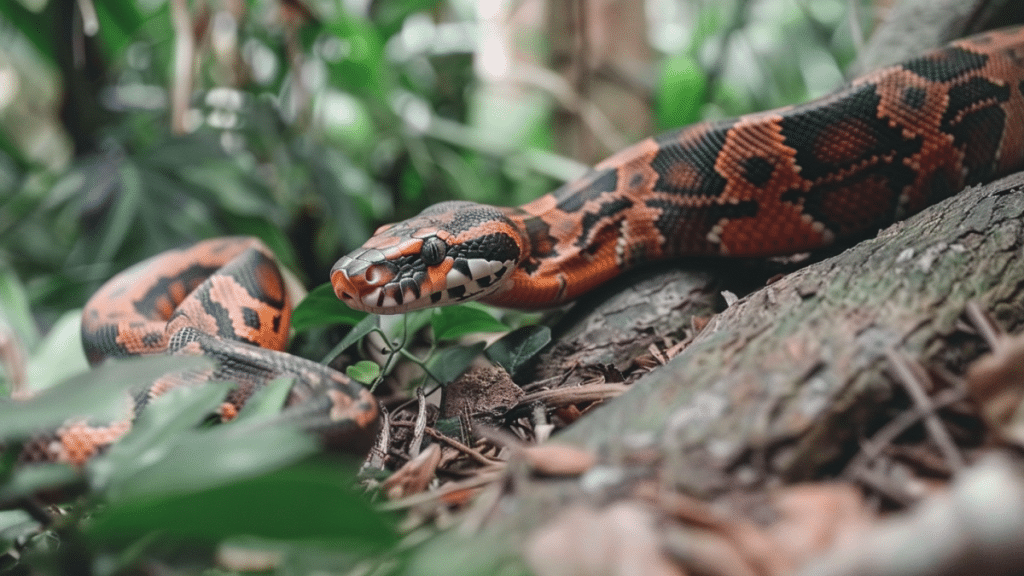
(433, 250)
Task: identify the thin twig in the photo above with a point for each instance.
(184, 55)
(421, 423)
(988, 329)
(911, 376)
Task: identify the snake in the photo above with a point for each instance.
(223, 299)
(783, 181)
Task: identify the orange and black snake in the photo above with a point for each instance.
(782, 181)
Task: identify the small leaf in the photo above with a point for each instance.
(456, 321)
(364, 371)
(321, 306)
(516, 348)
(364, 327)
(452, 362)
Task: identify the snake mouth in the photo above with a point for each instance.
(381, 287)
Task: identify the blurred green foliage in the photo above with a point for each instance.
(307, 127)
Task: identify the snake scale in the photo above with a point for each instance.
(782, 181)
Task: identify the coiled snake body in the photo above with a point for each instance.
(787, 180)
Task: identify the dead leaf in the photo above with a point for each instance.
(415, 475)
(620, 540)
(554, 459)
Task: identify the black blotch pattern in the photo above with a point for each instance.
(804, 128)
(146, 305)
(698, 152)
(572, 198)
(976, 132)
(914, 97)
(757, 170)
(251, 318)
(636, 180)
(483, 281)
(946, 65)
(457, 292)
(435, 297)
(494, 247)
(686, 226)
(603, 214)
(467, 215)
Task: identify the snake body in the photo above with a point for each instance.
(782, 181)
(224, 299)
(772, 183)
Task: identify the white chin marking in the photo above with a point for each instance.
(455, 278)
(479, 267)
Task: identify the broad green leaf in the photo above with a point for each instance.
(306, 502)
(681, 91)
(516, 348)
(453, 322)
(450, 363)
(14, 308)
(322, 306)
(364, 371)
(99, 394)
(59, 355)
(35, 27)
(167, 453)
(119, 22)
(28, 481)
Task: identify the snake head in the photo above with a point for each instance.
(451, 252)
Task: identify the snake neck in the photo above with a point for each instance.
(585, 233)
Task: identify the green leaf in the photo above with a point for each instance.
(365, 326)
(450, 363)
(31, 480)
(308, 501)
(357, 63)
(364, 371)
(35, 27)
(14, 308)
(98, 394)
(322, 306)
(166, 453)
(516, 348)
(59, 354)
(453, 322)
(681, 91)
(119, 22)
(125, 210)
